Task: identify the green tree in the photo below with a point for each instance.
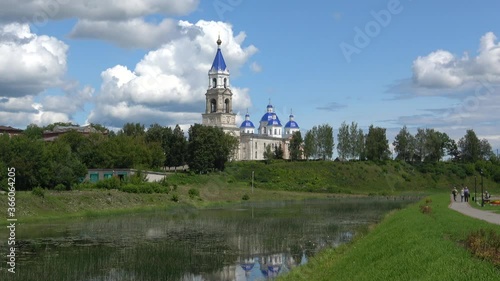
(325, 143)
(133, 130)
(65, 167)
(345, 145)
(32, 131)
(354, 140)
(485, 150)
(377, 145)
(209, 148)
(361, 148)
(420, 145)
(404, 145)
(296, 146)
(268, 154)
(30, 160)
(470, 147)
(436, 143)
(278, 152)
(178, 145)
(310, 143)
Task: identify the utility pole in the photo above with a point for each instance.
(252, 180)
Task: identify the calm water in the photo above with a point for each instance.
(253, 241)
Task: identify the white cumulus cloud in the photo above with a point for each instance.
(29, 63)
(40, 11)
(442, 69)
(168, 85)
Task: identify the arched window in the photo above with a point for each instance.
(213, 105)
(226, 106)
(225, 82)
(255, 146)
(264, 130)
(255, 154)
(214, 83)
(275, 131)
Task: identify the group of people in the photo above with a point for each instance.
(464, 194)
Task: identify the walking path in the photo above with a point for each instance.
(464, 208)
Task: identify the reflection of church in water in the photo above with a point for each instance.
(219, 112)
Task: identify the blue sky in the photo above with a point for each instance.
(427, 64)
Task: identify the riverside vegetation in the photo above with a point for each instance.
(411, 244)
(434, 243)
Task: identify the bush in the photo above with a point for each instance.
(130, 188)
(484, 244)
(60, 187)
(193, 192)
(111, 183)
(38, 191)
(245, 197)
(175, 198)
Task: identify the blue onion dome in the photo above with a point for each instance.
(292, 124)
(247, 123)
(268, 116)
(274, 121)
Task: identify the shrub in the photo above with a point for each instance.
(111, 183)
(60, 187)
(484, 244)
(245, 197)
(38, 191)
(175, 198)
(193, 192)
(425, 209)
(130, 188)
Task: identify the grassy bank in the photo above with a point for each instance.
(91, 202)
(407, 245)
(391, 177)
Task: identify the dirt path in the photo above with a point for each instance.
(464, 208)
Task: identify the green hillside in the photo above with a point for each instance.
(362, 177)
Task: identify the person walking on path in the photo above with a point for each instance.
(466, 209)
(454, 192)
(462, 195)
(466, 194)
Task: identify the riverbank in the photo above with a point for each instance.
(101, 202)
(408, 244)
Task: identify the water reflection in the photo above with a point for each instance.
(256, 241)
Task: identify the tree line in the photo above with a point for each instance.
(427, 145)
(67, 159)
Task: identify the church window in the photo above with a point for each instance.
(226, 106)
(213, 105)
(214, 83)
(275, 131)
(264, 130)
(255, 154)
(255, 146)
(225, 82)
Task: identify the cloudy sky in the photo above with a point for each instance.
(427, 64)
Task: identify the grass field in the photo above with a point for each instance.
(407, 245)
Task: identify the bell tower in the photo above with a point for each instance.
(219, 98)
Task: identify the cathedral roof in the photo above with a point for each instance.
(292, 124)
(247, 124)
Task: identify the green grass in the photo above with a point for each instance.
(406, 245)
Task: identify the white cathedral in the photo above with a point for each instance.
(219, 112)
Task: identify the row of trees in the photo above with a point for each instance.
(427, 145)
(66, 159)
